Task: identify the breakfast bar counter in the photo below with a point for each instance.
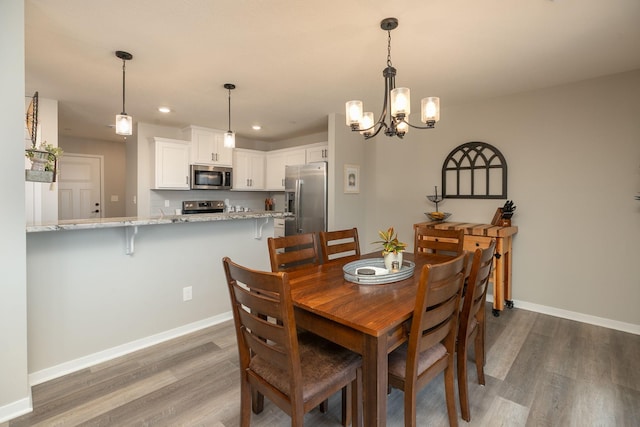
(94, 223)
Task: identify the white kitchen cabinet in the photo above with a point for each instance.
(248, 169)
(170, 164)
(278, 227)
(275, 164)
(207, 146)
(319, 153)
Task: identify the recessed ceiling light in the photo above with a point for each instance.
(256, 127)
(164, 109)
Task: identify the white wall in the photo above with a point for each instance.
(15, 395)
(85, 296)
(573, 155)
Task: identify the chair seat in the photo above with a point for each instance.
(322, 362)
(398, 359)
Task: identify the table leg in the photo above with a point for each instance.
(374, 381)
(498, 284)
(507, 273)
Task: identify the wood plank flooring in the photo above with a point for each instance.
(540, 371)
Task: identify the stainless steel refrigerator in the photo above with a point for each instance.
(305, 195)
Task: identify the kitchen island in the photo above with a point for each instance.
(91, 298)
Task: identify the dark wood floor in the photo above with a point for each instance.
(541, 371)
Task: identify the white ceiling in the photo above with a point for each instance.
(296, 61)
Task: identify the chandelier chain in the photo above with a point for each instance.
(389, 48)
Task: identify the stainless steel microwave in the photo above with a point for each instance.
(211, 177)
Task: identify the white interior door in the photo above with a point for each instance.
(79, 187)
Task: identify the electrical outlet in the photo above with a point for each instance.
(167, 203)
(187, 293)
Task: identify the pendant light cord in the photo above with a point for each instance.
(229, 110)
(123, 85)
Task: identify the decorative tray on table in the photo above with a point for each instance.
(373, 272)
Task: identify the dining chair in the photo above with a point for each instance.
(472, 322)
(436, 241)
(289, 253)
(339, 244)
(295, 371)
(430, 348)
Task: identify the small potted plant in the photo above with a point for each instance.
(44, 161)
(392, 248)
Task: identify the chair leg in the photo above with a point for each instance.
(245, 404)
(479, 351)
(410, 406)
(356, 400)
(347, 405)
(463, 390)
(450, 395)
(257, 401)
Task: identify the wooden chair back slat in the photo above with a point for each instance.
(339, 244)
(289, 253)
(441, 242)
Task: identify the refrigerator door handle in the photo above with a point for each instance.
(298, 205)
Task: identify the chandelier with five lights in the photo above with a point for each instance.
(396, 101)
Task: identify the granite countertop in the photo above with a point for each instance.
(86, 224)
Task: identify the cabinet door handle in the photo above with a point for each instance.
(186, 179)
(212, 158)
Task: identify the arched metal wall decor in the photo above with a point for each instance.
(474, 170)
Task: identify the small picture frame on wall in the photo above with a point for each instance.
(351, 178)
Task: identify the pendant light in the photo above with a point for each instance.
(396, 102)
(124, 122)
(229, 136)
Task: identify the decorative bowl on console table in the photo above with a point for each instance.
(438, 216)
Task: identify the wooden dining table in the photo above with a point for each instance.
(371, 320)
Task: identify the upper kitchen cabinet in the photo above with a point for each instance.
(276, 162)
(170, 164)
(248, 169)
(207, 146)
(319, 153)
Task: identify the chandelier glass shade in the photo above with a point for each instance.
(124, 122)
(229, 136)
(397, 102)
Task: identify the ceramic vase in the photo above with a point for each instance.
(390, 257)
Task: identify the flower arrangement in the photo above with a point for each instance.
(54, 153)
(390, 242)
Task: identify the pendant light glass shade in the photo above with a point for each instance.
(230, 139)
(124, 124)
(367, 124)
(400, 101)
(354, 112)
(430, 108)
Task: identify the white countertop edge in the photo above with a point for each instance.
(90, 224)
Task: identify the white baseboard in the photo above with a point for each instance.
(573, 315)
(15, 409)
(102, 356)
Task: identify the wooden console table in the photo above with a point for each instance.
(479, 235)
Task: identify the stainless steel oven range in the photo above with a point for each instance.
(202, 206)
